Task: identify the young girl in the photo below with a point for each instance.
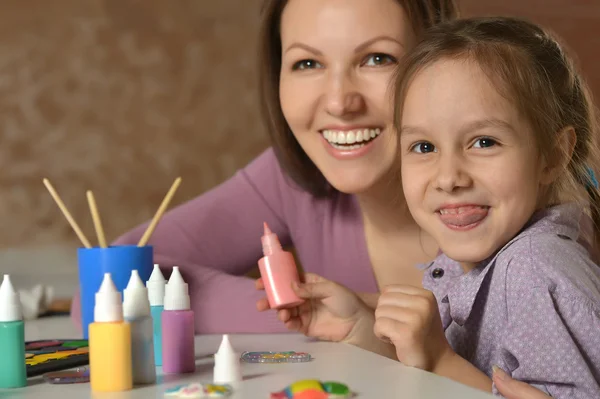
(496, 134)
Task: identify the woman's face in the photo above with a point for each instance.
(338, 58)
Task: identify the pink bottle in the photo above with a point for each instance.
(278, 270)
(177, 328)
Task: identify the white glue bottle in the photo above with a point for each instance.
(227, 369)
(136, 310)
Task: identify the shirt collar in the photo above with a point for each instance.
(562, 220)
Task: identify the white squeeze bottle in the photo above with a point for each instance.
(136, 310)
(227, 370)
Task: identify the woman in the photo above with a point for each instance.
(324, 187)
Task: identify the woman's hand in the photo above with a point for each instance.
(514, 389)
(330, 311)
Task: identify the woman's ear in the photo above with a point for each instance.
(560, 156)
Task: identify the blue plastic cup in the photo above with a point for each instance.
(119, 261)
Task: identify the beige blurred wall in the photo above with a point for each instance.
(122, 96)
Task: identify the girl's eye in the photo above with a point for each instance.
(306, 64)
(378, 59)
(484, 142)
(423, 147)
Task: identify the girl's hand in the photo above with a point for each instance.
(409, 318)
(330, 312)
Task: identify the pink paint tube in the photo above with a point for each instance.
(278, 270)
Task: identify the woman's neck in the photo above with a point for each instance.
(384, 208)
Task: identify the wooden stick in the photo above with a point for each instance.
(67, 214)
(96, 219)
(159, 213)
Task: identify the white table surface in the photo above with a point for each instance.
(369, 375)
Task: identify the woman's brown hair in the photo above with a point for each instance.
(292, 158)
(529, 68)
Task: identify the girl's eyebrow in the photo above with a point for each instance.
(467, 128)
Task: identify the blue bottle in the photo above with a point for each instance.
(156, 295)
(13, 371)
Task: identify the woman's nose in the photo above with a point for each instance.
(342, 96)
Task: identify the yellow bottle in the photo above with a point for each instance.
(110, 342)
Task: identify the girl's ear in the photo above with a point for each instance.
(560, 156)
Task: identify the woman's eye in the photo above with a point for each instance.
(306, 64)
(423, 148)
(378, 59)
(484, 142)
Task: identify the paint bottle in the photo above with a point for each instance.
(109, 342)
(156, 295)
(13, 371)
(136, 311)
(278, 270)
(177, 327)
(227, 370)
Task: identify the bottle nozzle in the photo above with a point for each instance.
(135, 298)
(156, 287)
(176, 292)
(10, 303)
(266, 229)
(109, 305)
(269, 240)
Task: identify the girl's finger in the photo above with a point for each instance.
(262, 304)
(293, 324)
(406, 289)
(406, 316)
(259, 284)
(387, 329)
(284, 315)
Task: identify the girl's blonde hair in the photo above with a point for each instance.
(528, 67)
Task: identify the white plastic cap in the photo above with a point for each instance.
(156, 287)
(10, 304)
(109, 306)
(135, 298)
(176, 292)
(227, 364)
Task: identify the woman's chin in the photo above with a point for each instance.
(352, 183)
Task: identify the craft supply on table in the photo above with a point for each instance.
(156, 295)
(117, 260)
(110, 342)
(199, 391)
(278, 269)
(275, 357)
(76, 376)
(136, 311)
(177, 327)
(13, 372)
(314, 389)
(55, 355)
(227, 368)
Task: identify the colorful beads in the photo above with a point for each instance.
(313, 389)
(275, 357)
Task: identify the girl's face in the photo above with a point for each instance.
(338, 57)
(471, 172)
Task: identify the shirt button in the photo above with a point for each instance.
(437, 273)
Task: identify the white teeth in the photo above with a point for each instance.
(350, 136)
